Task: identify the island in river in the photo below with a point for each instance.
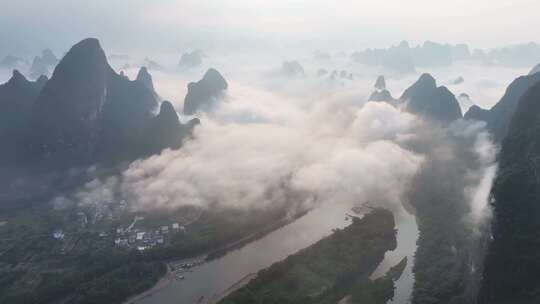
(338, 267)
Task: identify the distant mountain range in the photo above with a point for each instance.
(403, 58)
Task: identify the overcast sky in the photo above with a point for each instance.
(27, 25)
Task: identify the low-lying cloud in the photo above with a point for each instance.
(260, 148)
(319, 154)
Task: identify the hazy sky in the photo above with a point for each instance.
(26, 25)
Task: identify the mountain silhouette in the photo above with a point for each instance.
(145, 78)
(381, 93)
(41, 65)
(202, 94)
(513, 260)
(87, 113)
(425, 99)
(191, 59)
(499, 116)
(166, 131)
(380, 83)
(17, 97)
(292, 69)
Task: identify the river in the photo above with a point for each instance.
(212, 278)
(407, 236)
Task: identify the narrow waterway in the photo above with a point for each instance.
(407, 235)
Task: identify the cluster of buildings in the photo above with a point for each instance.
(129, 237)
(143, 239)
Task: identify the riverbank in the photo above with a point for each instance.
(252, 237)
(217, 275)
(234, 287)
(323, 271)
(170, 275)
(162, 283)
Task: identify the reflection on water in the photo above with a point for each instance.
(406, 247)
(216, 276)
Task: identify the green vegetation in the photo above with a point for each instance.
(513, 260)
(82, 268)
(447, 244)
(116, 285)
(216, 229)
(380, 290)
(442, 255)
(336, 266)
(85, 267)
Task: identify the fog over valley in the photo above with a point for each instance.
(254, 152)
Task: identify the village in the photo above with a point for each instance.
(104, 218)
(144, 239)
